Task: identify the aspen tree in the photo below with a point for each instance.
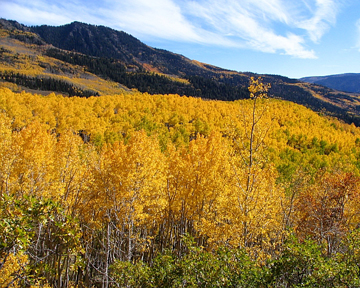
(127, 195)
(195, 182)
(250, 214)
(33, 165)
(6, 155)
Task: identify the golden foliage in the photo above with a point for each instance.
(139, 171)
(12, 269)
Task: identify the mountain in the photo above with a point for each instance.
(117, 56)
(100, 41)
(348, 82)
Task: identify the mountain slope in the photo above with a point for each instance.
(119, 57)
(348, 82)
(100, 41)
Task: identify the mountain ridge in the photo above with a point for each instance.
(115, 44)
(347, 82)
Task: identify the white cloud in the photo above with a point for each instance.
(159, 18)
(274, 26)
(321, 19)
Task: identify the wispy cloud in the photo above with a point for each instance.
(269, 25)
(37, 12)
(274, 26)
(31, 14)
(159, 18)
(322, 17)
(249, 24)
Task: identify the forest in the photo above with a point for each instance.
(140, 190)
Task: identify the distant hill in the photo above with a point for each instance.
(119, 57)
(348, 82)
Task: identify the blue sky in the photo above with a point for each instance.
(293, 38)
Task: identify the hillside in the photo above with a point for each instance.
(120, 58)
(348, 82)
(104, 42)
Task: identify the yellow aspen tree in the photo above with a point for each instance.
(169, 232)
(250, 216)
(196, 180)
(128, 187)
(132, 176)
(33, 163)
(71, 169)
(7, 156)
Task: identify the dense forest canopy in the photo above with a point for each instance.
(110, 190)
